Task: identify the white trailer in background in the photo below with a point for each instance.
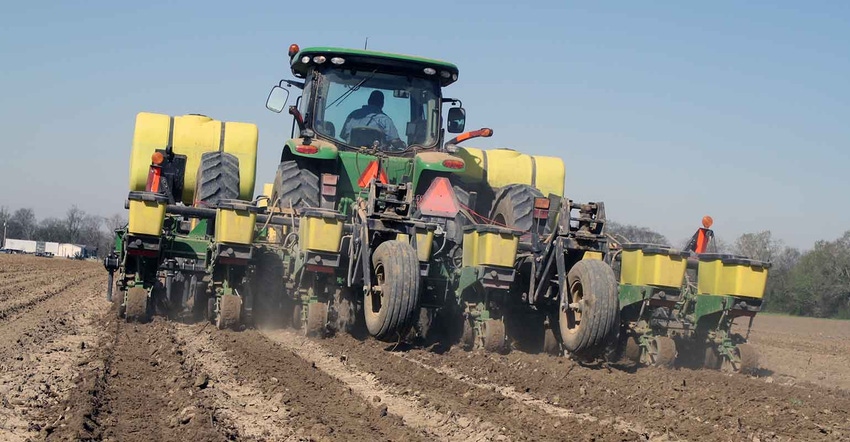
(70, 250)
(51, 247)
(21, 245)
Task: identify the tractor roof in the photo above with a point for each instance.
(446, 72)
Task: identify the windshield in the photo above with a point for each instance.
(370, 108)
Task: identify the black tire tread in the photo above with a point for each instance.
(217, 178)
(515, 202)
(401, 288)
(296, 186)
(598, 323)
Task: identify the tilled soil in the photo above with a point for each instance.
(803, 349)
(70, 371)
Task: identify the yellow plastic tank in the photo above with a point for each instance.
(192, 135)
(424, 241)
(235, 221)
(731, 275)
(489, 245)
(652, 265)
(501, 167)
(320, 230)
(147, 213)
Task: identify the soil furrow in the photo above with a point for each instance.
(437, 425)
(40, 361)
(516, 419)
(254, 415)
(319, 406)
(17, 306)
(692, 403)
(139, 389)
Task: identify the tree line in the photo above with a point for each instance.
(76, 227)
(815, 282)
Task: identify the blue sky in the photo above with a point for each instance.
(665, 111)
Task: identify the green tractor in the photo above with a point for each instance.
(390, 222)
(375, 221)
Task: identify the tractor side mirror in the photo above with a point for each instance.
(277, 99)
(456, 120)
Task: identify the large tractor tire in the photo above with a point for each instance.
(295, 186)
(514, 207)
(392, 310)
(588, 318)
(217, 179)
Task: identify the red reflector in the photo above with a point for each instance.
(453, 164)
(541, 214)
(370, 173)
(329, 182)
(309, 150)
(439, 199)
(541, 203)
(330, 179)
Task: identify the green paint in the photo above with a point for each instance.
(708, 309)
(469, 276)
(327, 150)
(433, 162)
(633, 294)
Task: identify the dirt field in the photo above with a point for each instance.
(70, 371)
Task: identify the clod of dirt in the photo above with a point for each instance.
(376, 399)
(201, 381)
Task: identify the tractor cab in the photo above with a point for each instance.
(356, 99)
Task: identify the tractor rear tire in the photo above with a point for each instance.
(217, 179)
(586, 330)
(136, 308)
(391, 311)
(295, 186)
(514, 207)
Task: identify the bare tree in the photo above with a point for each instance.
(74, 223)
(51, 229)
(114, 222)
(23, 224)
(634, 234)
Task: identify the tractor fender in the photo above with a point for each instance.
(326, 151)
(434, 162)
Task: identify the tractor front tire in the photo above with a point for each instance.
(391, 310)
